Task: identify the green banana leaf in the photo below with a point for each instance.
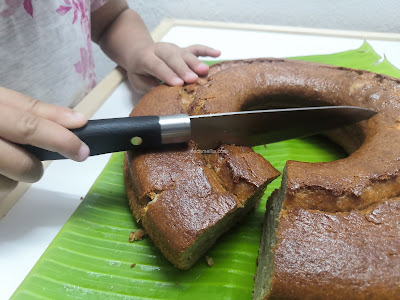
(91, 257)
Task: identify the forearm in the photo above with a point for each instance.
(124, 38)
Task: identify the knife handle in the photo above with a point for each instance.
(111, 135)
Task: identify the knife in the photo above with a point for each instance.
(247, 128)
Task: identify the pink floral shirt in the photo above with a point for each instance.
(46, 49)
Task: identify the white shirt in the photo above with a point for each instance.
(46, 49)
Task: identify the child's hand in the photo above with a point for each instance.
(169, 63)
(27, 121)
(123, 36)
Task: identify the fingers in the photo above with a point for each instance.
(196, 66)
(26, 128)
(200, 50)
(27, 121)
(160, 64)
(172, 67)
(60, 115)
(17, 165)
(169, 63)
(181, 62)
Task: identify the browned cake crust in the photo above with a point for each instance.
(186, 199)
(346, 255)
(345, 190)
(348, 187)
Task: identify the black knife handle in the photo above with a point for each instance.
(111, 135)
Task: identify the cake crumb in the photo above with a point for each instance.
(209, 261)
(137, 235)
(132, 265)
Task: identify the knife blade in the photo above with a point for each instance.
(247, 128)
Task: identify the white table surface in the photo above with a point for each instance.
(30, 226)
